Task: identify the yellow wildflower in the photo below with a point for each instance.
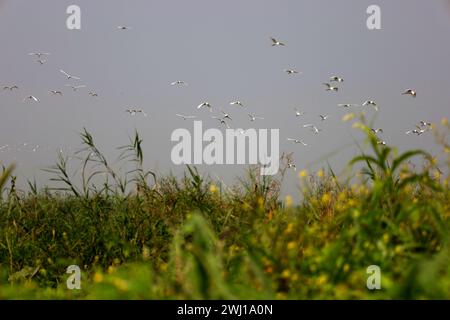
(326, 198)
(288, 201)
(321, 280)
(111, 269)
(346, 267)
(213, 188)
(289, 228)
(291, 245)
(98, 277)
(303, 174)
(286, 274)
(320, 173)
(145, 253)
(120, 284)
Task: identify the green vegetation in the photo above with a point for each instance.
(140, 236)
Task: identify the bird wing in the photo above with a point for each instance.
(65, 73)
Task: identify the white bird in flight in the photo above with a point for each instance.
(135, 111)
(39, 54)
(348, 105)
(323, 117)
(225, 115)
(419, 131)
(298, 113)
(55, 92)
(296, 141)
(237, 103)
(376, 130)
(330, 87)
(253, 117)
(185, 117)
(222, 121)
(425, 123)
(290, 71)
(370, 103)
(275, 42)
(313, 128)
(30, 98)
(412, 131)
(10, 88)
(68, 75)
(179, 83)
(75, 88)
(336, 79)
(205, 105)
(410, 92)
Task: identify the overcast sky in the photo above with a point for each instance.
(223, 50)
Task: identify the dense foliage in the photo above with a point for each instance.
(195, 238)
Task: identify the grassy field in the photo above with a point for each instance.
(140, 236)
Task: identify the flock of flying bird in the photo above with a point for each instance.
(331, 85)
(41, 61)
(224, 118)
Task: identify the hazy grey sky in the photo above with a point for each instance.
(222, 49)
